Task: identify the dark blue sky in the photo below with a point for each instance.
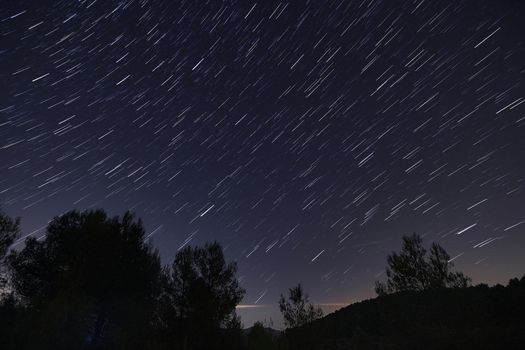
(306, 137)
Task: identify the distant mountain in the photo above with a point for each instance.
(478, 317)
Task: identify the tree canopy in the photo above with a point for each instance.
(202, 292)
(296, 308)
(412, 269)
(92, 275)
(260, 337)
(9, 232)
(93, 282)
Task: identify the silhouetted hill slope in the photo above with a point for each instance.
(472, 318)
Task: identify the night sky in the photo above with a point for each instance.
(305, 136)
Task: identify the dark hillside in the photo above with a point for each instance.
(472, 318)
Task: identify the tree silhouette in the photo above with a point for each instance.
(203, 292)
(9, 231)
(91, 282)
(297, 311)
(410, 269)
(260, 337)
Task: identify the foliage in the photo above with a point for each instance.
(89, 281)
(260, 338)
(9, 232)
(205, 286)
(297, 311)
(202, 292)
(411, 269)
(93, 283)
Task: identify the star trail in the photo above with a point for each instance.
(305, 136)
